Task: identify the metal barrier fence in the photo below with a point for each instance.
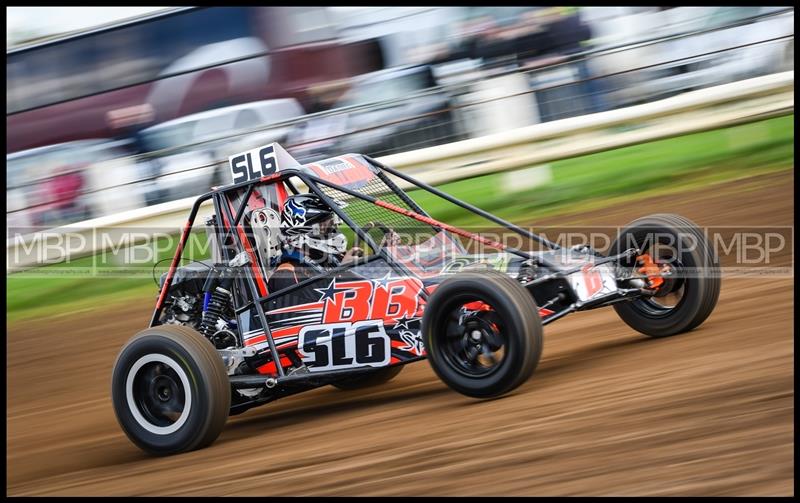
(729, 104)
(490, 102)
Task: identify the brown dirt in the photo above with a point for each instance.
(608, 411)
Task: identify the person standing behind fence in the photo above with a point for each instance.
(569, 35)
(127, 123)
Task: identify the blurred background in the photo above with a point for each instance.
(106, 112)
(574, 120)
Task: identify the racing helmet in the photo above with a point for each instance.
(307, 222)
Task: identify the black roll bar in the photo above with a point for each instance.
(466, 206)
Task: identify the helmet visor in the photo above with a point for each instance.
(327, 227)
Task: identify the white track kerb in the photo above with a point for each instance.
(187, 407)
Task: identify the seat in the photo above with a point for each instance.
(261, 222)
(265, 223)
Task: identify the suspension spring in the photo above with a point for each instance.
(216, 308)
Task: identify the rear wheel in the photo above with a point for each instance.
(482, 333)
(170, 390)
(690, 291)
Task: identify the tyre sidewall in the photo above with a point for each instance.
(199, 420)
(520, 348)
(696, 289)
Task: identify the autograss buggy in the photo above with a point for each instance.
(220, 343)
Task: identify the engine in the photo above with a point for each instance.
(182, 310)
(184, 305)
(200, 300)
(201, 293)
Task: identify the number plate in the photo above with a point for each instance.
(345, 345)
(593, 281)
(254, 164)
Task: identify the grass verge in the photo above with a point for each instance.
(586, 182)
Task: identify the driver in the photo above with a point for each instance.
(312, 243)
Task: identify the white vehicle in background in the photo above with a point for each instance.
(703, 60)
(186, 149)
(687, 64)
(70, 182)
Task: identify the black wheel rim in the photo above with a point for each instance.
(672, 293)
(473, 341)
(158, 394)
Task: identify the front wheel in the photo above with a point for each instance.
(170, 390)
(690, 290)
(482, 333)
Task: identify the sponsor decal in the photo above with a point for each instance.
(334, 166)
(413, 341)
(348, 171)
(385, 298)
(296, 215)
(357, 323)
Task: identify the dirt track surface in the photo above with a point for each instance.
(608, 411)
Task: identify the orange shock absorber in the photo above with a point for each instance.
(651, 270)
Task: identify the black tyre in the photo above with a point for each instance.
(482, 350)
(170, 390)
(690, 293)
(369, 379)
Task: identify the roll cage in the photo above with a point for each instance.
(253, 286)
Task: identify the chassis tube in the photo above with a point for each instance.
(349, 221)
(276, 357)
(466, 206)
(422, 218)
(246, 381)
(566, 272)
(177, 257)
(239, 213)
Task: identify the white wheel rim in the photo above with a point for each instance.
(134, 409)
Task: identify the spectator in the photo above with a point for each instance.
(64, 192)
(567, 34)
(324, 96)
(127, 123)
